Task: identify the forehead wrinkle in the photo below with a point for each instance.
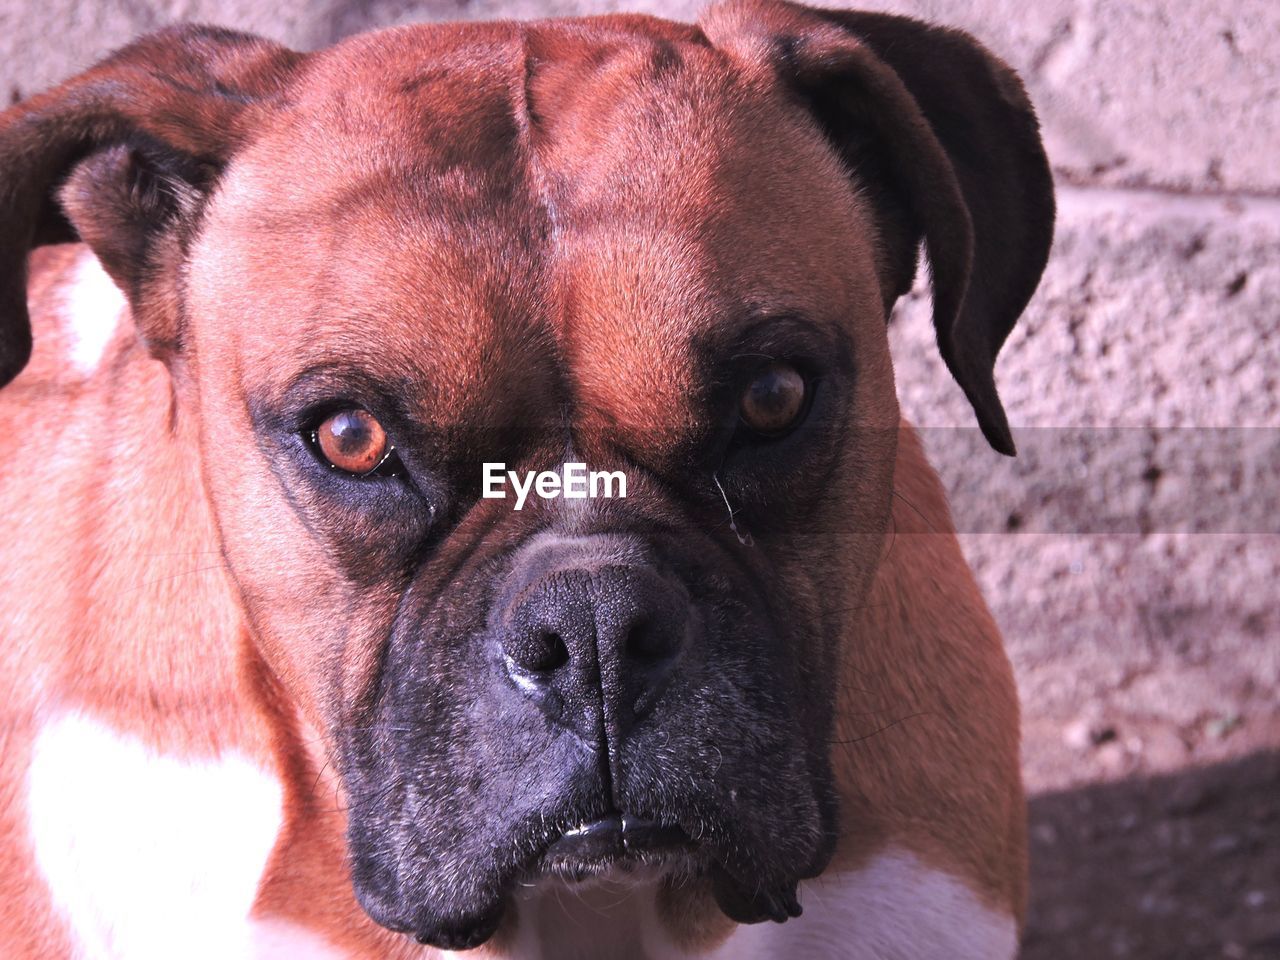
(644, 131)
(629, 280)
(421, 91)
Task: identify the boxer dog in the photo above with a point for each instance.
(278, 682)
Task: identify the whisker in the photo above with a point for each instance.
(916, 510)
(876, 733)
(175, 576)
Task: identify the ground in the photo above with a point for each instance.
(1176, 866)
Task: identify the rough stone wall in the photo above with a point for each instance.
(1132, 554)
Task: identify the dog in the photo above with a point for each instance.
(279, 682)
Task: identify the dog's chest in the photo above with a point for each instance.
(147, 855)
(895, 907)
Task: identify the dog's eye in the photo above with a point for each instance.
(353, 441)
(774, 400)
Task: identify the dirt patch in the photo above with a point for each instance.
(1184, 865)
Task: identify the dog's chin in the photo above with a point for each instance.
(623, 852)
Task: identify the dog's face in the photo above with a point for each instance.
(686, 293)
(638, 246)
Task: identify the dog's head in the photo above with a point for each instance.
(663, 250)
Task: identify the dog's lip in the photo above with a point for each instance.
(613, 837)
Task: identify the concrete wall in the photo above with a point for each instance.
(1133, 558)
(1162, 94)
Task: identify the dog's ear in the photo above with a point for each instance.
(943, 142)
(121, 157)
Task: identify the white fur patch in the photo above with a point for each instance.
(895, 908)
(281, 940)
(94, 306)
(148, 856)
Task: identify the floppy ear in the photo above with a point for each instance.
(942, 140)
(121, 157)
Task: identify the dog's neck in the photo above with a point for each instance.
(142, 569)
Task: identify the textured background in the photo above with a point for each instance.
(1132, 553)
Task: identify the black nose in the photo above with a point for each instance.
(592, 632)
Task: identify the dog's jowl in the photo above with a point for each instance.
(281, 678)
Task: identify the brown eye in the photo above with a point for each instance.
(352, 440)
(774, 400)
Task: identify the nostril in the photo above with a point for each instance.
(650, 640)
(545, 652)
